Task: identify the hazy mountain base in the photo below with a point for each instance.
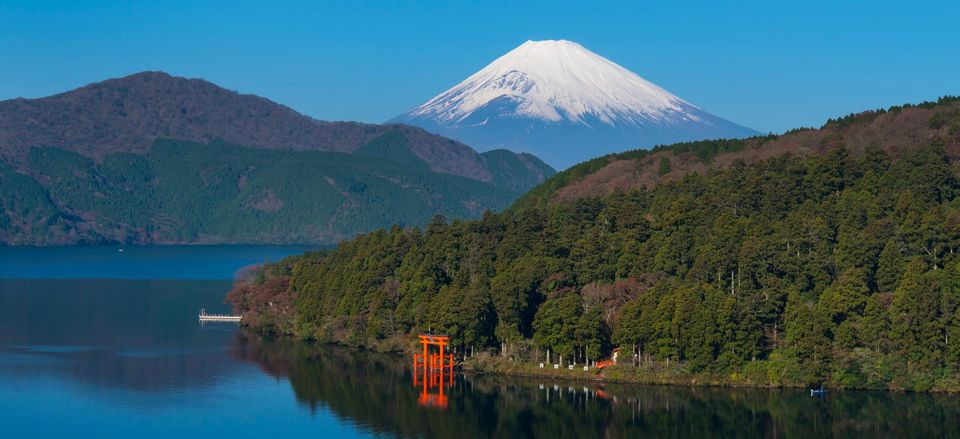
(183, 192)
(794, 269)
(564, 144)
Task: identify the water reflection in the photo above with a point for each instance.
(136, 335)
(117, 358)
(432, 384)
(433, 370)
(375, 391)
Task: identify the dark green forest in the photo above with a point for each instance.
(839, 268)
(183, 192)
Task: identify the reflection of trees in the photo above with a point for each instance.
(376, 391)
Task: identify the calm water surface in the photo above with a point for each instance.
(125, 357)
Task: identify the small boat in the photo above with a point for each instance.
(818, 392)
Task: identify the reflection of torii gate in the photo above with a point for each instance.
(433, 366)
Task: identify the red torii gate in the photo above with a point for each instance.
(430, 360)
(428, 363)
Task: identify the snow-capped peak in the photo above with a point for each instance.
(558, 80)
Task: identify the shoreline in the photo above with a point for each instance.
(619, 375)
(486, 364)
(628, 375)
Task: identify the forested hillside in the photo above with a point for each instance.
(825, 255)
(184, 192)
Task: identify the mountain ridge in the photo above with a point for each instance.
(127, 114)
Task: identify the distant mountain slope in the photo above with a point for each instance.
(127, 114)
(184, 192)
(565, 104)
(152, 158)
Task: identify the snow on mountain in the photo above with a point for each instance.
(565, 104)
(555, 81)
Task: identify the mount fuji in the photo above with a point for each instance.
(565, 104)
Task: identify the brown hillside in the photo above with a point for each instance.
(892, 130)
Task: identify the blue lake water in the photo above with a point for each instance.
(136, 262)
(99, 344)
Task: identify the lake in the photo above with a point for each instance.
(100, 343)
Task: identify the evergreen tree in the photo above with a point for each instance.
(889, 267)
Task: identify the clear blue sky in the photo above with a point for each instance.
(765, 66)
